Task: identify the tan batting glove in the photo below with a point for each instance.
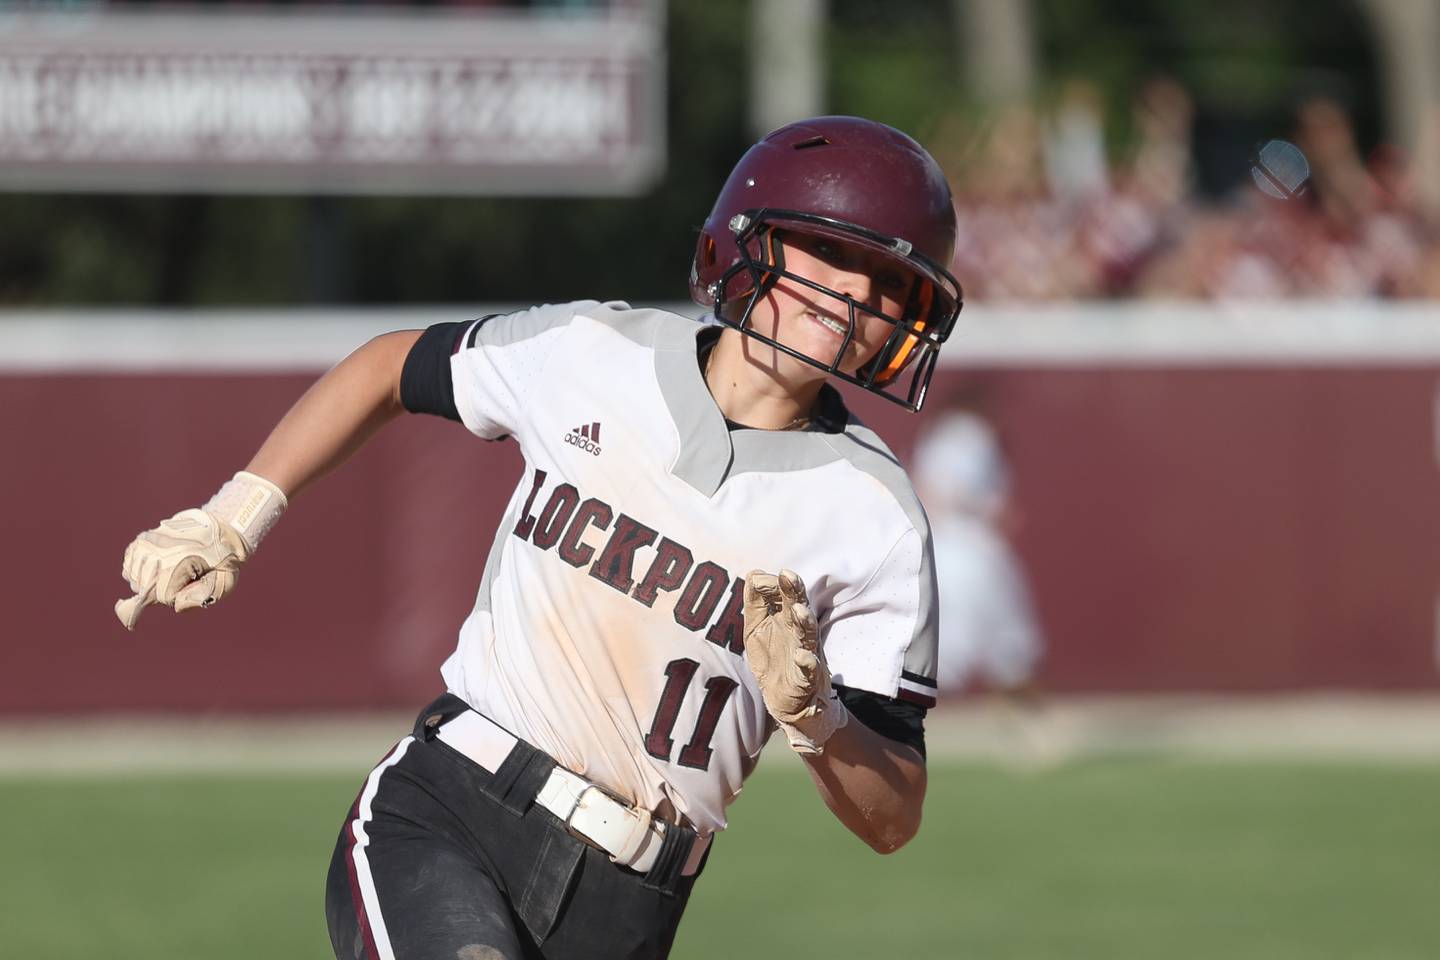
(192, 559)
(782, 645)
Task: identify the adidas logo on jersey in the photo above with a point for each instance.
(586, 437)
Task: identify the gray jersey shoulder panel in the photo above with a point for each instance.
(766, 451)
(505, 329)
(642, 326)
(780, 451)
(864, 449)
(869, 454)
(705, 453)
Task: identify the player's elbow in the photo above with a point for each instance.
(889, 841)
(893, 834)
(902, 821)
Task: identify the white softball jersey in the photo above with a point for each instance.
(607, 627)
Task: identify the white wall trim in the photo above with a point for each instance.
(278, 340)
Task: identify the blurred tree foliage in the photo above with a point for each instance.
(894, 60)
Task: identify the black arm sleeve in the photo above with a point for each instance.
(898, 720)
(425, 383)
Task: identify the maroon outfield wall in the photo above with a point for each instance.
(1187, 528)
(1242, 528)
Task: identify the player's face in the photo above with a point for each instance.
(815, 323)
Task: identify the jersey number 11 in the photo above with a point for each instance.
(696, 753)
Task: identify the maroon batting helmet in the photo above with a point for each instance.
(852, 180)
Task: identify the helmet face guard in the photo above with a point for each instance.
(927, 315)
(855, 181)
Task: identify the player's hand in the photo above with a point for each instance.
(192, 559)
(782, 645)
(189, 561)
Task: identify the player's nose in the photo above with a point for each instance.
(855, 283)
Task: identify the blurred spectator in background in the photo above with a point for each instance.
(1076, 167)
(988, 630)
(1153, 187)
(1044, 215)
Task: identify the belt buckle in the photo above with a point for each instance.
(627, 811)
(575, 831)
(580, 802)
(592, 785)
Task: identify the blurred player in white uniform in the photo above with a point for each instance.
(988, 628)
(621, 670)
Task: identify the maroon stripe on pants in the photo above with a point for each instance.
(371, 952)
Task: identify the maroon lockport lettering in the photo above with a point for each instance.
(617, 558)
(701, 595)
(526, 523)
(555, 515)
(572, 551)
(667, 571)
(729, 630)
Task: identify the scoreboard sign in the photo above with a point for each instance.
(468, 101)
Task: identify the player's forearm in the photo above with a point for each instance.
(335, 417)
(875, 786)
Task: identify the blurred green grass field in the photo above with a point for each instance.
(1125, 858)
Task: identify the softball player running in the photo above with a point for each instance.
(622, 670)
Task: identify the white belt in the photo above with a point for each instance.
(632, 837)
